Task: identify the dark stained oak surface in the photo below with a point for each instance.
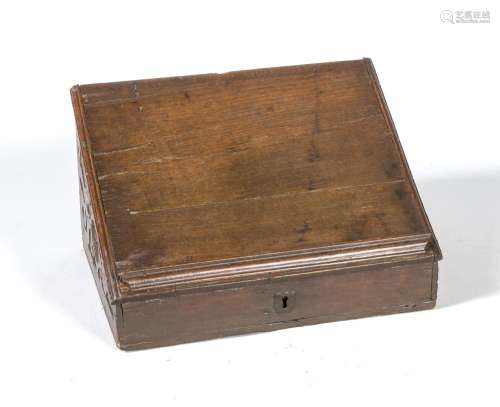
(193, 169)
(214, 205)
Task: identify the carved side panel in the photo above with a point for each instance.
(90, 236)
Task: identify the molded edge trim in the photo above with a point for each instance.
(211, 277)
(385, 110)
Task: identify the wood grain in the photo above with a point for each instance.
(212, 180)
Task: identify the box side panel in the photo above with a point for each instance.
(401, 286)
(90, 225)
(91, 245)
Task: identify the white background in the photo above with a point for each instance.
(441, 82)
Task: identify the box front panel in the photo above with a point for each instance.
(340, 294)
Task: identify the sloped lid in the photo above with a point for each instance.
(202, 172)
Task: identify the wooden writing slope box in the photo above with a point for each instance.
(215, 205)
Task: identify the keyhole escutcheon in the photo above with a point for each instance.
(284, 301)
